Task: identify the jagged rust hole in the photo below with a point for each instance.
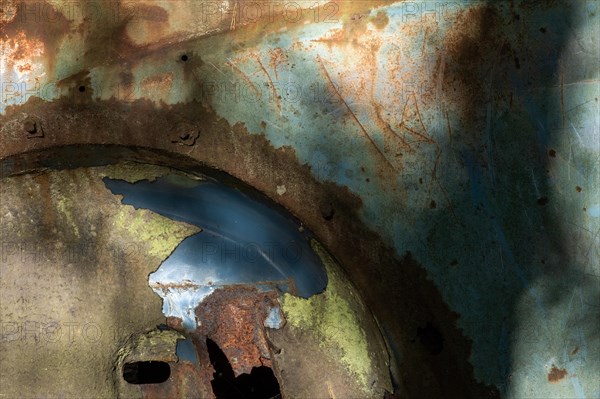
(149, 372)
(259, 384)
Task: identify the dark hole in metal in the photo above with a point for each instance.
(151, 372)
(431, 338)
(259, 384)
(184, 58)
(81, 89)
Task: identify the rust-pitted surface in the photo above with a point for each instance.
(233, 318)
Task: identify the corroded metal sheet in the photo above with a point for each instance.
(463, 133)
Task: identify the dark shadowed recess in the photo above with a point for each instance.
(259, 384)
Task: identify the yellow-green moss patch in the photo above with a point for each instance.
(333, 316)
(160, 233)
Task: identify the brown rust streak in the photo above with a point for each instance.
(362, 128)
(441, 186)
(449, 128)
(276, 58)
(243, 75)
(273, 88)
(387, 128)
(424, 136)
(424, 42)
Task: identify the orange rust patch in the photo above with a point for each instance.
(30, 33)
(353, 31)
(24, 68)
(19, 51)
(556, 374)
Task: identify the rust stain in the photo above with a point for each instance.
(423, 47)
(393, 142)
(278, 56)
(380, 20)
(155, 86)
(45, 194)
(562, 98)
(556, 374)
(574, 351)
(20, 52)
(252, 34)
(355, 30)
(350, 33)
(273, 88)
(31, 33)
(449, 128)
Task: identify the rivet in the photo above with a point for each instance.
(30, 126)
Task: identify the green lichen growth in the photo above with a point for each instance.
(160, 233)
(154, 344)
(333, 316)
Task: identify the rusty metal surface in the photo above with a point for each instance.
(187, 378)
(463, 135)
(233, 318)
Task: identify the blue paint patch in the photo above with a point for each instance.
(274, 318)
(186, 351)
(243, 241)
